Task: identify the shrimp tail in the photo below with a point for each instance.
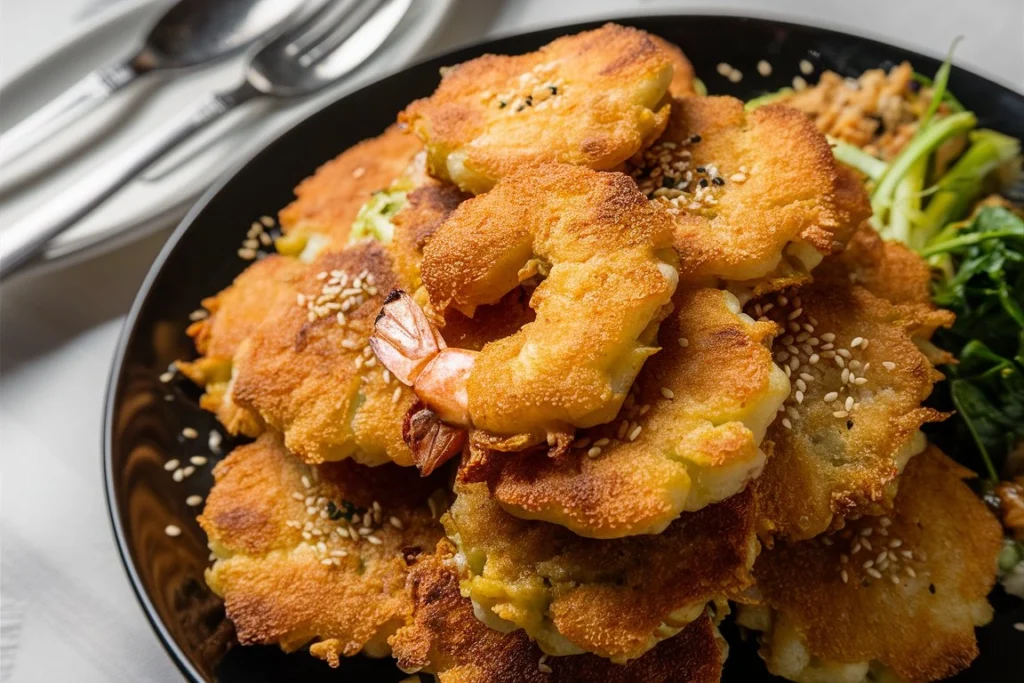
(432, 442)
(403, 339)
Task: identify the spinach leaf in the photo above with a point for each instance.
(986, 293)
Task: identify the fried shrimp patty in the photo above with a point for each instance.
(445, 638)
(291, 563)
(894, 597)
(328, 202)
(593, 99)
(756, 197)
(604, 253)
(614, 598)
(683, 77)
(854, 416)
(234, 314)
(308, 373)
(687, 436)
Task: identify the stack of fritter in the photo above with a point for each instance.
(671, 365)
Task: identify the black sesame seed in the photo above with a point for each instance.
(553, 89)
(700, 169)
(914, 86)
(668, 182)
(520, 107)
(931, 588)
(529, 100)
(703, 182)
(502, 104)
(718, 181)
(695, 138)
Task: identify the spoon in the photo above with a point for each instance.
(191, 33)
(331, 40)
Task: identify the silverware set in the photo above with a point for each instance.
(299, 48)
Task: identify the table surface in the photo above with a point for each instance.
(66, 609)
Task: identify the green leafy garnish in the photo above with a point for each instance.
(986, 292)
(374, 218)
(767, 98)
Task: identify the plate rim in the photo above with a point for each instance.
(128, 328)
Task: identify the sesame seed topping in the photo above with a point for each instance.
(172, 464)
(166, 377)
(198, 460)
(193, 501)
(806, 68)
(189, 433)
(889, 365)
(594, 452)
(635, 433)
(764, 68)
(172, 530)
(799, 83)
(667, 393)
(374, 539)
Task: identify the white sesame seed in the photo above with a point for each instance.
(172, 530)
(860, 380)
(799, 83)
(667, 393)
(374, 539)
(845, 576)
(845, 377)
(735, 76)
(189, 433)
(806, 376)
(544, 668)
(188, 471)
(166, 377)
(889, 365)
(193, 501)
(840, 413)
(813, 360)
(806, 68)
(895, 543)
(831, 396)
(198, 460)
(799, 396)
(764, 68)
(866, 543)
(594, 452)
(723, 69)
(801, 384)
(849, 403)
(872, 572)
(178, 475)
(786, 423)
(684, 342)
(635, 433)
(171, 464)
(306, 482)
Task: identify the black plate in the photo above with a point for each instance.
(143, 428)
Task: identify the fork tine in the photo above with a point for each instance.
(307, 19)
(334, 35)
(313, 30)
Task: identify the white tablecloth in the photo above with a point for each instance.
(67, 610)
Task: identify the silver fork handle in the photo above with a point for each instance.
(66, 109)
(25, 238)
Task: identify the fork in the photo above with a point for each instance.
(328, 42)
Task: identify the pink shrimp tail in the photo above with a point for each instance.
(403, 339)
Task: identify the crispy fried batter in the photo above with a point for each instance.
(446, 639)
(234, 314)
(911, 611)
(314, 379)
(696, 445)
(593, 99)
(833, 460)
(887, 268)
(683, 77)
(328, 201)
(615, 598)
(609, 272)
(426, 208)
(757, 197)
(279, 586)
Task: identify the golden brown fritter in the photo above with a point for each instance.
(234, 314)
(593, 99)
(757, 197)
(887, 268)
(683, 78)
(426, 208)
(609, 272)
(687, 436)
(293, 567)
(446, 639)
(614, 598)
(307, 370)
(899, 594)
(854, 416)
(328, 201)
